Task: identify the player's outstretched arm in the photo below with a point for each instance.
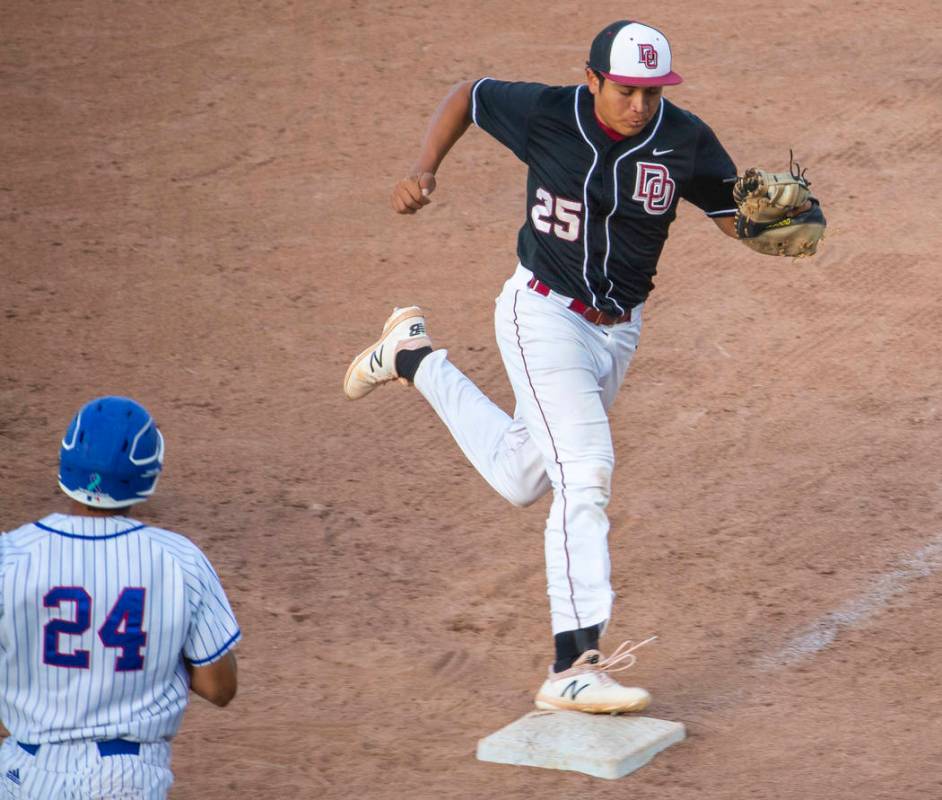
(449, 122)
(215, 682)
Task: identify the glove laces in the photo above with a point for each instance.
(795, 170)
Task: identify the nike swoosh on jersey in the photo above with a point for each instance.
(657, 152)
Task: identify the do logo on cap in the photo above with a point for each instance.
(633, 54)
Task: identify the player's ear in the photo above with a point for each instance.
(592, 80)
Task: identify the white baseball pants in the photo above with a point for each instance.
(77, 771)
(565, 373)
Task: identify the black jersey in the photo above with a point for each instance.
(598, 210)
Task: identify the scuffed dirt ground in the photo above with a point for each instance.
(193, 210)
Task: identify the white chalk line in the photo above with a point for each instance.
(820, 634)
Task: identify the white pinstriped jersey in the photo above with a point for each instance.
(96, 614)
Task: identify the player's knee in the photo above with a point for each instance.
(522, 499)
(597, 496)
(591, 482)
(523, 494)
(519, 496)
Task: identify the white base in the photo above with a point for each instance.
(605, 746)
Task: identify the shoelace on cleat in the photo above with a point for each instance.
(622, 657)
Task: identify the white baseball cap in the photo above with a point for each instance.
(633, 54)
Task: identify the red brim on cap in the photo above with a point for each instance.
(670, 79)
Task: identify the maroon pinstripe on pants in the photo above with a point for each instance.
(562, 474)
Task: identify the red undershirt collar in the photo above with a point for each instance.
(611, 133)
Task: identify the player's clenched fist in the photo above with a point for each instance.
(412, 192)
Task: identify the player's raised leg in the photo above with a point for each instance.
(496, 444)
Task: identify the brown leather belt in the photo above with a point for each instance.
(594, 316)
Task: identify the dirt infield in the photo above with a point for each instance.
(193, 211)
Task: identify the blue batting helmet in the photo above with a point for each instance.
(111, 455)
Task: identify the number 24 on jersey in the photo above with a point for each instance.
(122, 628)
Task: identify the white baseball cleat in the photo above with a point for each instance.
(587, 685)
(404, 330)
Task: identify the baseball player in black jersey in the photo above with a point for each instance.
(608, 161)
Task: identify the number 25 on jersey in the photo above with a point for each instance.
(121, 628)
(557, 215)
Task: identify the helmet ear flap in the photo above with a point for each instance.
(147, 446)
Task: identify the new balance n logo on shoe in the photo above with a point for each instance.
(377, 359)
(417, 329)
(14, 775)
(573, 691)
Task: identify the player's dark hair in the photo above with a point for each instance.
(597, 74)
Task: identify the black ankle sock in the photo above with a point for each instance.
(572, 644)
(407, 362)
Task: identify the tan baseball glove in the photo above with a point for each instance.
(773, 213)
